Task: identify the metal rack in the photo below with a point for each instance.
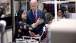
(27, 40)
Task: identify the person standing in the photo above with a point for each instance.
(66, 12)
(36, 16)
(59, 14)
(21, 27)
(48, 16)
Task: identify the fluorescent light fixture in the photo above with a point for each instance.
(3, 1)
(52, 2)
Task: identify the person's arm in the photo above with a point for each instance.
(27, 21)
(31, 27)
(24, 25)
(51, 18)
(18, 30)
(43, 24)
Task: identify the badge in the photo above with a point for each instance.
(19, 30)
(25, 27)
(30, 28)
(18, 35)
(21, 27)
(20, 22)
(24, 23)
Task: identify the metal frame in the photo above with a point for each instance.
(31, 40)
(55, 2)
(13, 17)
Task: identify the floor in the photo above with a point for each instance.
(7, 36)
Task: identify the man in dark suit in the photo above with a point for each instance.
(36, 16)
(67, 14)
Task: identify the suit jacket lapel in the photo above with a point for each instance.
(38, 14)
(32, 16)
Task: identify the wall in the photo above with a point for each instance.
(15, 6)
(23, 5)
(2, 1)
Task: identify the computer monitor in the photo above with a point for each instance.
(63, 31)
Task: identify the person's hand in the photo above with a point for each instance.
(49, 22)
(39, 21)
(32, 34)
(37, 36)
(34, 25)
